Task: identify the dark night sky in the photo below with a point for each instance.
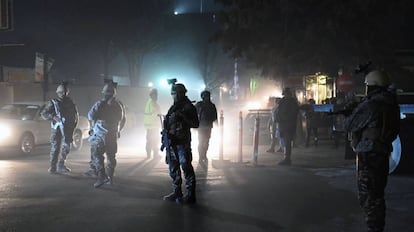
(34, 18)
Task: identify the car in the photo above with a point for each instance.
(22, 128)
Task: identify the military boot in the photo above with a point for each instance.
(189, 198)
(175, 196)
(91, 173)
(52, 169)
(102, 179)
(62, 167)
(286, 161)
(110, 172)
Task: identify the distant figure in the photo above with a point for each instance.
(374, 124)
(64, 118)
(274, 127)
(152, 124)
(310, 117)
(207, 114)
(181, 117)
(287, 118)
(338, 121)
(107, 118)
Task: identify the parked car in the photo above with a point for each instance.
(22, 128)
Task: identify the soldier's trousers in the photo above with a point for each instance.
(60, 144)
(99, 147)
(372, 175)
(181, 156)
(204, 134)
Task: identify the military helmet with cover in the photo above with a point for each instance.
(178, 88)
(63, 88)
(377, 78)
(286, 92)
(205, 93)
(109, 88)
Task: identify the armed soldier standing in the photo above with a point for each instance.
(181, 117)
(62, 113)
(107, 118)
(207, 114)
(374, 125)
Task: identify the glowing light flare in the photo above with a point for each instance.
(229, 141)
(5, 131)
(253, 105)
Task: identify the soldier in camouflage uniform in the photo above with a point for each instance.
(107, 118)
(181, 117)
(64, 117)
(374, 124)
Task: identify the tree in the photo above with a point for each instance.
(305, 36)
(131, 28)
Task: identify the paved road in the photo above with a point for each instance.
(316, 194)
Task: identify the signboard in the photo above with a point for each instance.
(39, 66)
(345, 83)
(6, 15)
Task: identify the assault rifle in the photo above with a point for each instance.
(165, 140)
(347, 110)
(59, 116)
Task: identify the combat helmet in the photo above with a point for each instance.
(377, 78)
(178, 88)
(62, 89)
(205, 93)
(109, 88)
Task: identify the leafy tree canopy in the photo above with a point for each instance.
(284, 37)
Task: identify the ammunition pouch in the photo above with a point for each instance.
(370, 141)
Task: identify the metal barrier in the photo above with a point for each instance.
(240, 148)
(256, 138)
(221, 135)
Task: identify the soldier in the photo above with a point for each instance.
(152, 124)
(107, 118)
(181, 117)
(287, 117)
(207, 114)
(374, 124)
(62, 113)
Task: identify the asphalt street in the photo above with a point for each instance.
(316, 193)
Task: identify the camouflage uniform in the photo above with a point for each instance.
(374, 124)
(62, 109)
(108, 117)
(181, 117)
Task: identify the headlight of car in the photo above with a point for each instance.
(5, 131)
